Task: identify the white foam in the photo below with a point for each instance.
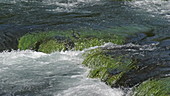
(60, 5)
(68, 5)
(9, 58)
(29, 68)
(91, 87)
(160, 7)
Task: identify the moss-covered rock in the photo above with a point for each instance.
(93, 38)
(51, 46)
(109, 68)
(76, 39)
(117, 65)
(31, 41)
(45, 41)
(155, 87)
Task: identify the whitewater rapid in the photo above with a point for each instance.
(30, 73)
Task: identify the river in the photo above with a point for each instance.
(29, 73)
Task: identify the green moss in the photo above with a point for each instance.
(29, 41)
(51, 46)
(100, 72)
(91, 42)
(92, 38)
(156, 87)
(32, 41)
(81, 39)
(102, 65)
(111, 79)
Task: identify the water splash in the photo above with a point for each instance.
(57, 74)
(130, 47)
(91, 89)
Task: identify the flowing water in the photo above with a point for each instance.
(18, 17)
(29, 73)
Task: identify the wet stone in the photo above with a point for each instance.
(114, 71)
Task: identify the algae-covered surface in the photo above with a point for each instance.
(77, 39)
(109, 68)
(155, 87)
(56, 41)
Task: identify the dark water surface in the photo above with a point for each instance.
(18, 17)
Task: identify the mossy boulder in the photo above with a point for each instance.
(118, 65)
(127, 65)
(77, 39)
(67, 40)
(90, 38)
(32, 41)
(109, 68)
(155, 87)
(51, 46)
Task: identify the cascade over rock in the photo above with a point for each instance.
(116, 64)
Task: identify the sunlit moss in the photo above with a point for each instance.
(156, 87)
(51, 46)
(29, 41)
(89, 38)
(81, 38)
